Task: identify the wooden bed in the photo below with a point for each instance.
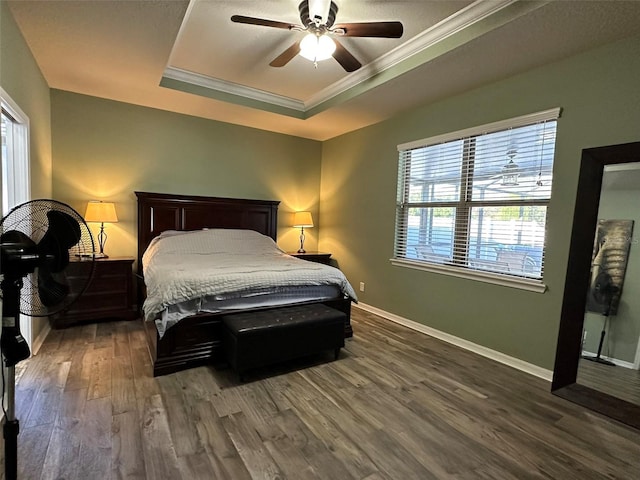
(197, 340)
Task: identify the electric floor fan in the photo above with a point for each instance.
(38, 239)
(603, 291)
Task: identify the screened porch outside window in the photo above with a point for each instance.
(479, 201)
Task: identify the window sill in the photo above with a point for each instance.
(530, 285)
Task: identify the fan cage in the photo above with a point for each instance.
(31, 219)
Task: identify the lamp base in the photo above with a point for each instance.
(302, 250)
(100, 255)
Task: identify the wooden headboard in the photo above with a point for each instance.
(158, 212)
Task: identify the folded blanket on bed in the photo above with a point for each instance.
(182, 266)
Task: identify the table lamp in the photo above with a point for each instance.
(302, 220)
(101, 212)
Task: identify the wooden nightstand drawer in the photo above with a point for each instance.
(109, 295)
(111, 283)
(318, 257)
(98, 301)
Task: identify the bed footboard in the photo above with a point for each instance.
(197, 340)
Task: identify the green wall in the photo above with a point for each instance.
(104, 149)
(600, 97)
(21, 78)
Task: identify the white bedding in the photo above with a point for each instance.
(196, 267)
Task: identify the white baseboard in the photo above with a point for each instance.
(516, 363)
(615, 361)
(37, 343)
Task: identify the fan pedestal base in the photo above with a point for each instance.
(10, 429)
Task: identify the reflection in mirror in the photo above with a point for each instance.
(598, 354)
(611, 333)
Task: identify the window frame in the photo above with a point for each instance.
(457, 267)
(15, 176)
(18, 160)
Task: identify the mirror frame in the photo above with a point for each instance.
(569, 348)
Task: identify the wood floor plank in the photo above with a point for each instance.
(121, 340)
(104, 335)
(311, 454)
(255, 456)
(46, 402)
(32, 450)
(123, 390)
(61, 460)
(159, 453)
(100, 376)
(180, 417)
(94, 461)
(466, 450)
(287, 451)
(71, 414)
(96, 427)
(196, 466)
(327, 431)
(224, 457)
(80, 372)
(127, 454)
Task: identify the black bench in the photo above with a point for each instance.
(265, 337)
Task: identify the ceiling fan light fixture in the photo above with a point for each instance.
(317, 47)
(511, 170)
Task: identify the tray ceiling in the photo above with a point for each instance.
(188, 57)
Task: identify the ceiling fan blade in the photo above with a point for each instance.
(331, 16)
(261, 21)
(345, 59)
(286, 56)
(371, 29)
(305, 17)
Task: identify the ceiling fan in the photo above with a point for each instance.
(318, 44)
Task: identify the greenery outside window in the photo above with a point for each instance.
(476, 200)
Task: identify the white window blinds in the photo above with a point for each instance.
(477, 199)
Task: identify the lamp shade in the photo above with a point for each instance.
(101, 212)
(302, 219)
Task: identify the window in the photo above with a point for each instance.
(14, 179)
(476, 200)
(15, 154)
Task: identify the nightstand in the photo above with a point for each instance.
(318, 257)
(109, 294)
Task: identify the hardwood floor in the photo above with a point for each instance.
(617, 381)
(396, 405)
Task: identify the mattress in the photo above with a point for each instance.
(245, 300)
(226, 269)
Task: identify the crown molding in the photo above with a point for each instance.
(229, 91)
(462, 19)
(231, 88)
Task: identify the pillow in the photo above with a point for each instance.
(210, 242)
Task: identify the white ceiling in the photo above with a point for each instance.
(624, 176)
(188, 57)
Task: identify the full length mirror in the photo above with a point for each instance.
(610, 359)
(598, 352)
